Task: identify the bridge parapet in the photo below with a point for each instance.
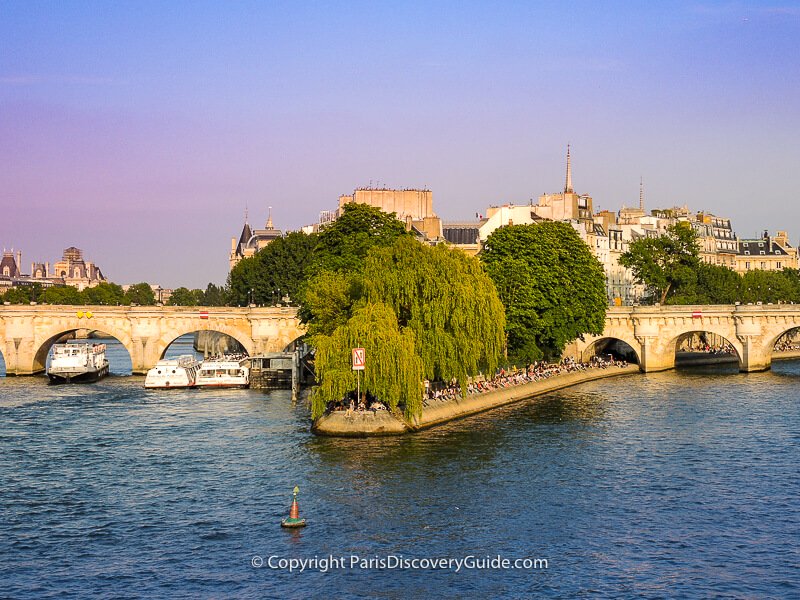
(27, 332)
(653, 332)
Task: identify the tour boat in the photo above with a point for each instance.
(77, 363)
(229, 371)
(178, 372)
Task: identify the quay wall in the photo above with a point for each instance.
(437, 412)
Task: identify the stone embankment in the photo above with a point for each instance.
(382, 422)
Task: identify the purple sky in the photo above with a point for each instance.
(139, 131)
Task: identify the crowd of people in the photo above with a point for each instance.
(505, 378)
(787, 345)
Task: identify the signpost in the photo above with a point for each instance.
(359, 364)
(697, 314)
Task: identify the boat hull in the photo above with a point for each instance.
(89, 376)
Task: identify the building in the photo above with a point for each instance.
(413, 207)
(73, 270)
(766, 254)
(252, 240)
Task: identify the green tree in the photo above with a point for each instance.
(434, 305)
(275, 271)
(141, 294)
(62, 294)
(185, 297)
(17, 295)
(109, 294)
(552, 288)
(769, 286)
(665, 263)
(394, 369)
(343, 245)
(214, 296)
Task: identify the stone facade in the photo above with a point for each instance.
(252, 240)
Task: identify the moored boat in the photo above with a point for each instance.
(178, 372)
(77, 363)
(227, 371)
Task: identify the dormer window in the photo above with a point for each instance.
(762, 252)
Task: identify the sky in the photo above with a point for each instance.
(140, 132)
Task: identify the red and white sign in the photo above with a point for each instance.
(359, 359)
(203, 314)
(697, 314)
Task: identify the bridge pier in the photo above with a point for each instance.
(756, 356)
(654, 356)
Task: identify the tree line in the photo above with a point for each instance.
(111, 294)
(672, 271)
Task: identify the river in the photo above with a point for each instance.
(678, 484)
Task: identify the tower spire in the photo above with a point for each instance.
(641, 195)
(269, 219)
(568, 186)
(245, 212)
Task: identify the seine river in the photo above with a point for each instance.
(682, 484)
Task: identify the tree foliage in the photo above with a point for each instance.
(275, 271)
(435, 304)
(394, 369)
(185, 297)
(141, 294)
(665, 263)
(552, 288)
(343, 245)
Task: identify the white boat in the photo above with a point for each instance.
(229, 371)
(77, 363)
(178, 372)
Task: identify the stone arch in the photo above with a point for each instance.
(43, 342)
(607, 340)
(672, 345)
(169, 336)
(778, 334)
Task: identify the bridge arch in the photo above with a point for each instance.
(780, 332)
(46, 339)
(673, 346)
(597, 345)
(169, 336)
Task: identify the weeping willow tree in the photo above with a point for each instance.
(394, 369)
(446, 299)
(419, 311)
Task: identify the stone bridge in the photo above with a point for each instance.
(654, 332)
(28, 332)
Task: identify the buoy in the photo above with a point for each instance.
(294, 520)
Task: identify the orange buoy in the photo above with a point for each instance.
(294, 520)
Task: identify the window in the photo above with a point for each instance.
(747, 265)
(763, 265)
(778, 265)
(762, 252)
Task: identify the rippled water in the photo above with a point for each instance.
(667, 485)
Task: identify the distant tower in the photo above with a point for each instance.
(269, 219)
(641, 195)
(568, 186)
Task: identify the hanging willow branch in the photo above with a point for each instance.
(394, 370)
(419, 311)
